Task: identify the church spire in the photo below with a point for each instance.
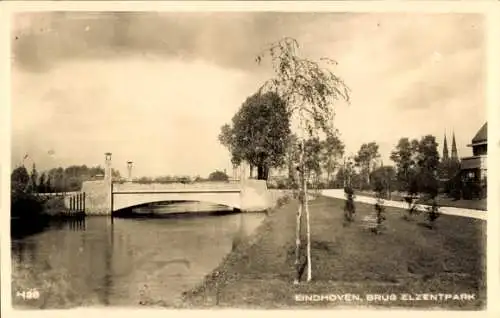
(445, 149)
(454, 152)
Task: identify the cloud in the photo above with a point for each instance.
(226, 39)
(168, 116)
(164, 83)
(436, 83)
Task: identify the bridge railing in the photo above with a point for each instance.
(56, 194)
(231, 181)
(130, 186)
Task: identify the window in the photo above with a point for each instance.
(469, 175)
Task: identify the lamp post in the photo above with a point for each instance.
(129, 167)
(107, 171)
(235, 172)
(109, 181)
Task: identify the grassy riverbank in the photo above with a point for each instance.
(407, 258)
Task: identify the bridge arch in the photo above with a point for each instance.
(192, 207)
(125, 200)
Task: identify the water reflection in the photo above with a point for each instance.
(76, 225)
(97, 261)
(24, 251)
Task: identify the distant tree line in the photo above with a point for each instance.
(61, 179)
(163, 179)
(217, 175)
(417, 169)
(70, 178)
(263, 139)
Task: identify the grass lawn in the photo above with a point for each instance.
(406, 258)
(442, 200)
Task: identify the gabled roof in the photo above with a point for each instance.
(482, 134)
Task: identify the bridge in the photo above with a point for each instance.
(104, 197)
(126, 195)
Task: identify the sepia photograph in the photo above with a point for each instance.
(248, 160)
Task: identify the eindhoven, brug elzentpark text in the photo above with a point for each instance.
(438, 297)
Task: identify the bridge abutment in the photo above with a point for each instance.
(255, 196)
(97, 197)
(98, 192)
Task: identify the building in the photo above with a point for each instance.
(473, 168)
(449, 167)
(454, 151)
(445, 150)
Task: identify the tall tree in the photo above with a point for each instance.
(310, 90)
(427, 164)
(332, 152)
(23, 203)
(292, 159)
(383, 179)
(48, 185)
(341, 177)
(312, 161)
(404, 156)
(259, 133)
(448, 168)
(365, 159)
(227, 138)
(42, 183)
(312, 155)
(19, 179)
(33, 184)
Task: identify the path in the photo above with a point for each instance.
(339, 194)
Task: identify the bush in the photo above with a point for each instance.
(25, 205)
(456, 194)
(433, 213)
(271, 184)
(333, 184)
(473, 190)
(379, 213)
(282, 184)
(411, 200)
(27, 215)
(453, 187)
(321, 185)
(54, 206)
(349, 208)
(282, 200)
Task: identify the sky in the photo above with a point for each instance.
(155, 88)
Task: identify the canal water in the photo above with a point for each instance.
(125, 262)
